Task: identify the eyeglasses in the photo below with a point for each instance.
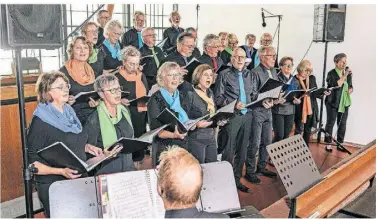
(273, 56)
(188, 46)
(92, 31)
(118, 34)
(240, 57)
(216, 46)
(308, 70)
(173, 74)
(150, 35)
(107, 18)
(267, 41)
(233, 44)
(288, 65)
(115, 90)
(62, 87)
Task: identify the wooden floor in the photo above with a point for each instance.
(272, 189)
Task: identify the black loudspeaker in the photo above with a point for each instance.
(329, 23)
(31, 26)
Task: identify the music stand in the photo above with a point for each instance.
(295, 166)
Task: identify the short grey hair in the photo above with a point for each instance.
(110, 27)
(129, 51)
(208, 38)
(262, 50)
(338, 57)
(146, 30)
(182, 36)
(137, 13)
(190, 30)
(164, 69)
(103, 81)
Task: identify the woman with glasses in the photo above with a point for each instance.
(96, 58)
(283, 113)
(111, 45)
(55, 121)
(306, 113)
(133, 81)
(109, 122)
(232, 43)
(81, 76)
(169, 76)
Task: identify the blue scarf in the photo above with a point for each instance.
(66, 121)
(291, 85)
(115, 51)
(256, 60)
(175, 104)
(248, 53)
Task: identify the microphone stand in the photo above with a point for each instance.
(338, 144)
(279, 18)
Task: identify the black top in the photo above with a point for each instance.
(130, 38)
(313, 100)
(41, 135)
(227, 88)
(287, 108)
(171, 33)
(250, 54)
(98, 65)
(332, 81)
(206, 59)
(225, 56)
(196, 53)
(155, 106)
(192, 213)
(110, 62)
(176, 57)
(101, 37)
(150, 67)
(130, 86)
(93, 128)
(82, 109)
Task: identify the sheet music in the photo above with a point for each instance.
(274, 93)
(158, 204)
(129, 195)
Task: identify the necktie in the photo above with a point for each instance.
(214, 63)
(139, 39)
(269, 73)
(155, 57)
(185, 58)
(242, 92)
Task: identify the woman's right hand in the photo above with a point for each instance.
(71, 100)
(178, 135)
(296, 101)
(203, 124)
(114, 151)
(69, 173)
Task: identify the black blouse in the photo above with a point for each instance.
(82, 109)
(93, 128)
(109, 61)
(149, 65)
(171, 33)
(130, 38)
(332, 81)
(98, 65)
(41, 135)
(156, 105)
(225, 56)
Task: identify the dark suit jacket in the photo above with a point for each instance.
(192, 213)
(171, 33)
(130, 38)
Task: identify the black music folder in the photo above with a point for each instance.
(320, 91)
(223, 113)
(169, 117)
(270, 94)
(270, 84)
(190, 67)
(84, 96)
(131, 145)
(141, 100)
(60, 156)
(290, 95)
(125, 94)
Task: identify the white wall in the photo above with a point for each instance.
(295, 37)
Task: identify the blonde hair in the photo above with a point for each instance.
(129, 51)
(110, 27)
(164, 69)
(264, 35)
(229, 37)
(302, 65)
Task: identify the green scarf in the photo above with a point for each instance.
(107, 123)
(229, 50)
(345, 99)
(93, 57)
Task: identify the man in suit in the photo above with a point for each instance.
(183, 55)
(103, 17)
(133, 36)
(180, 180)
(151, 55)
(261, 128)
(194, 33)
(172, 33)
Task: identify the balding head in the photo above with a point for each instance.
(180, 178)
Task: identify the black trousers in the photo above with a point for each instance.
(139, 124)
(238, 134)
(304, 129)
(43, 196)
(202, 145)
(261, 136)
(341, 120)
(282, 125)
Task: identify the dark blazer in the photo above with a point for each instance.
(225, 56)
(176, 57)
(171, 33)
(192, 213)
(253, 53)
(98, 65)
(196, 53)
(287, 108)
(130, 38)
(101, 37)
(332, 81)
(149, 64)
(206, 59)
(109, 61)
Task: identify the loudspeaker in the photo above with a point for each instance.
(329, 23)
(31, 26)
